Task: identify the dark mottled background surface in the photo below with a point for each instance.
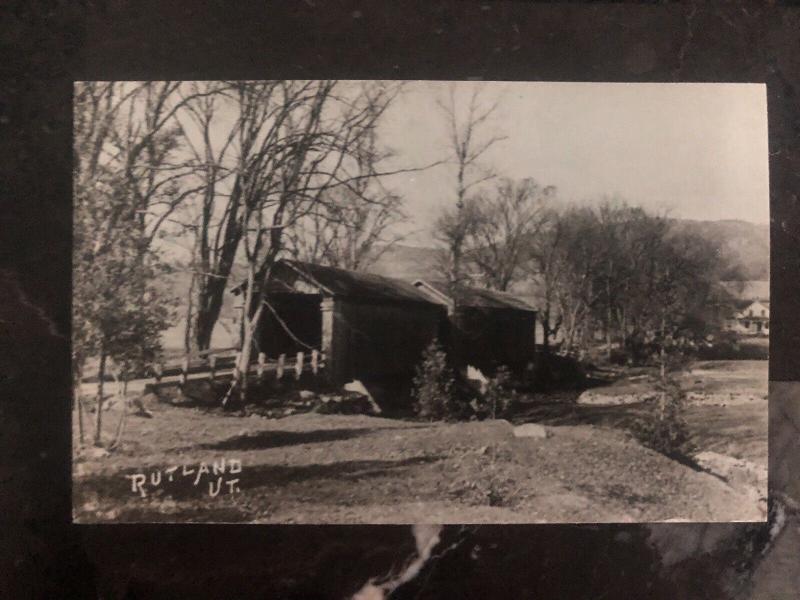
(47, 45)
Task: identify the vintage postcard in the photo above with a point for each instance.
(420, 302)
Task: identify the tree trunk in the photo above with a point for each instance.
(662, 352)
(207, 313)
(212, 285)
(121, 423)
(99, 415)
(546, 330)
(79, 406)
(76, 395)
(187, 334)
(608, 314)
(249, 323)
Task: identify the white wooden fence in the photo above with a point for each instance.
(219, 364)
(214, 366)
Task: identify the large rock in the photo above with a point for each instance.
(348, 404)
(736, 471)
(593, 398)
(531, 430)
(357, 387)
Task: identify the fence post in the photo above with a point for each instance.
(279, 369)
(184, 371)
(158, 370)
(298, 368)
(262, 359)
(314, 361)
(212, 366)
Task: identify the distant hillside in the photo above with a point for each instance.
(406, 262)
(746, 244)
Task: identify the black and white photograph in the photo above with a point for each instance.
(419, 302)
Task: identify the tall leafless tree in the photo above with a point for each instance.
(468, 142)
(125, 188)
(357, 224)
(301, 148)
(511, 217)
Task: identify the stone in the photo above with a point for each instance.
(531, 430)
(477, 378)
(599, 399)
(357, 387)
(306, 394)
(736, 471)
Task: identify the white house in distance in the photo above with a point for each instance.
(750, 315)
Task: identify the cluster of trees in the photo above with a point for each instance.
(201, 176)
(612, 271)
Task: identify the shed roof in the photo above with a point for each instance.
(476, 297)
(341, 282)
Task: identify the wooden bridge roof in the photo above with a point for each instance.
(338, 282)
(475, 297)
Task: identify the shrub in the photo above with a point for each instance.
(557, 371)
(499, 400)
(664, 428)
(435, 385)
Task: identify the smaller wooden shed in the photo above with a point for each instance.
(487, 328)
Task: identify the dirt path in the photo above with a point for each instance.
(356, 469)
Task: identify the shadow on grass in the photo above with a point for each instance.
(263, 440)
(570, 413)
(623, 417)
(118, 487)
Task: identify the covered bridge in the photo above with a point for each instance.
(367, 326)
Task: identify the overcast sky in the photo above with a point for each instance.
(698, 151)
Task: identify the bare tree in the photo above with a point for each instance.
(468, 143)
(125, 187)
(252, 163)
(349, 233)
(543, 269)
(315, 131)
(576, 291)
(354, 225)
(219, 199)
(510, 218)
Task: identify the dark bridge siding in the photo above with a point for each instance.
(491, 337)
(370, 339)
(375, 328)
(381, 340)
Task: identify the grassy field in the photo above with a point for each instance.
(315, 468)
